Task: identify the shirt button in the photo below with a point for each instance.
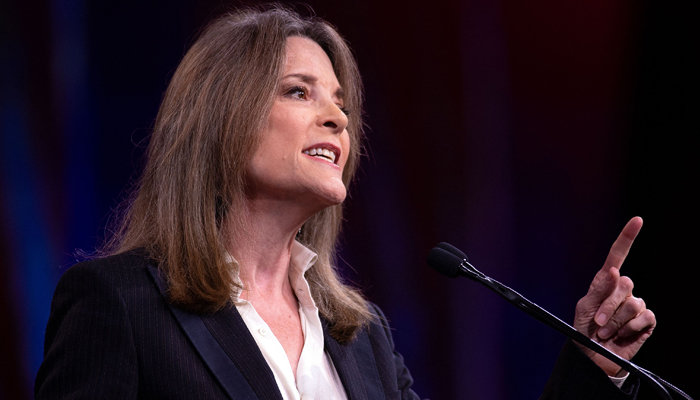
(263, 331)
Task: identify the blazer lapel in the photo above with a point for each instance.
(229, 330)
(355, 365)
(228, 349)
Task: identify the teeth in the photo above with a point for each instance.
(323, 153)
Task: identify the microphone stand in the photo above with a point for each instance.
(542, 315)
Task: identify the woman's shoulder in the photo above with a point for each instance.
(117, 282)
(132, 259)
(379, 325)
(131, 266)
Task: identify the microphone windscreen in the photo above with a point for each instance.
(444, 262)
(448, 247)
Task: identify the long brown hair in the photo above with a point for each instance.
(207, 127)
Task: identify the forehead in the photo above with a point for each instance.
(303, 56)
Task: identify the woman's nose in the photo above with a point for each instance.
(333, 118)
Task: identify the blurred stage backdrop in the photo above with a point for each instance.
(525, 133)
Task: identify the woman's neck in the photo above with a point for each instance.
(261, 243)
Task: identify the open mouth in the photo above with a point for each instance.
(324, 151)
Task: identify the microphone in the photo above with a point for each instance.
(448, 247)
(452, 262)
(445, 262)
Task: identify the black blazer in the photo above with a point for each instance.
(112, 335)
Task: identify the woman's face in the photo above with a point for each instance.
(305, 144)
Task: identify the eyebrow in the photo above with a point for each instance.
(309, 79)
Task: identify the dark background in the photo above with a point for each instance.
(525, 133)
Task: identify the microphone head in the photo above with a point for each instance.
(444, 262)
(448, 247)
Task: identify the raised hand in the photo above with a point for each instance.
(609, 313)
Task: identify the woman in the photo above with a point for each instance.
(219, 282)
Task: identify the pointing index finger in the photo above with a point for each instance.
(620, 249)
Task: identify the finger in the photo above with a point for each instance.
(619, 249)
(643, 323)
(628, 310)
(608, 307)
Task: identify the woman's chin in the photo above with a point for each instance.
(334, 201)
(332, 197)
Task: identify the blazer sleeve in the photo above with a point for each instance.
(577, 377)
(89, 350)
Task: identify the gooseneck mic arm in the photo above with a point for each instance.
(451, 262)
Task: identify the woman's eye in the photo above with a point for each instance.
(345, 110)
(298, 92)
